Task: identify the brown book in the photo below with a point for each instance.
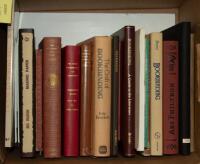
(85, 104)
(38, 94)
(101, 95)
(3, 51)
(26, 91)
(52, 97)
(127, 91)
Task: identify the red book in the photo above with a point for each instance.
(71, 100)
(170, 97)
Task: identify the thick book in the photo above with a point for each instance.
(115, 95)
(27, 91)
(101, 95)
(51, 47)
(3, 67)
(156, 111)
(139, 89)
(39, 98)
(9, 127)
(127, 91)
(147, 98)
(85, 100)
(71, 57)
(181, 33)
(170, 97)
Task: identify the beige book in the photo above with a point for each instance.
(27, 93)
(101, 96)
(192, 93)
(156, 111)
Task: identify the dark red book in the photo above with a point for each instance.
(170, 97)
(71, 100)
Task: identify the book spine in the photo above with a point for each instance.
(156, 95)
(147, 97)
(39, 97)
(170, 97)
(71, 100)
(115, 95)
(128, 94)
(27, 87)
(9, 127)
(52, 97)
(139, 89)
(85, 103)
(101, 97)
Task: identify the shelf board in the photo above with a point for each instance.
(192, 159)
(95, 5)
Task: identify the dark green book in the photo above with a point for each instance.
(115, 95)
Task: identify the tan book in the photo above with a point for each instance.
(101, 96)
(156, 125)
(192, 93)
(9, 135)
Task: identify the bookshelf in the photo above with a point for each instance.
(183, 10)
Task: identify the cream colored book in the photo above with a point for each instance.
(101, 96)
(139, 89)
(156, 111)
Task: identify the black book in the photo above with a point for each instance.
(181, 33)
(115, 95)
(3, 67)
(27, 91)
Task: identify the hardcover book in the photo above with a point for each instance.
(170, 97)
(181, 33)
(51, 47)
(127, 92)
(156, 111)
(85, 100)
(26, 91)
(139, 89)
(71, 75)
(39, 98)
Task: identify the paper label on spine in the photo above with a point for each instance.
(5, 11)
(186, 140)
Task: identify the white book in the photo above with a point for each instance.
(139, 89)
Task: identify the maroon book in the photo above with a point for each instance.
(170, 97)
(71, 61)
(127, 90)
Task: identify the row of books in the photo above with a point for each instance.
(125, 93)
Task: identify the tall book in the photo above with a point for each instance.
(27, 91)
(181, 33)
(170, 97)
(115, 96)
(101, 95)
(51, 47)
(9, 124)
(127, 92)
(139, 89)
(147, 98)
(39, 97)
(71, 75)
(85, 100)
(156, 65)
(3, 66)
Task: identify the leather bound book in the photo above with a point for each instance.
(170, 97)
(71, 100)
(3, 66)
(52, 97)
(101, 95)
(38, 95)
(27, 91)
(85, 100)
(181, 33)
(127, 101)
(156, 80)
(115, 96)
